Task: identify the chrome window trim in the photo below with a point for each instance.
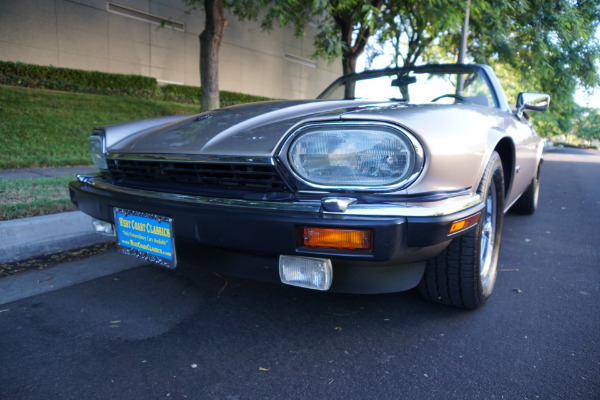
(308, 206)
(419, 155)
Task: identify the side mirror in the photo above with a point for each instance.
(532, 102)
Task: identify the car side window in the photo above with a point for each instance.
(477, 91)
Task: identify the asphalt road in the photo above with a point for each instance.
(146, 333)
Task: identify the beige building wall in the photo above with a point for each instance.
(97, 35)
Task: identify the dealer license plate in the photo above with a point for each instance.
(146, 236)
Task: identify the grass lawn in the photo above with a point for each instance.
(21, 198)
(43, 128)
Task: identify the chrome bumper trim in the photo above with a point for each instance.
(192, 158)
(384, 210)
(312, 206)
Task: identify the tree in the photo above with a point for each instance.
(414, 27)
(535, 45)
(344, 29)
(355, 21)
(344, 26)
(549, 43)
(587, 125)
(210, 42)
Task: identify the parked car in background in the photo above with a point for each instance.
(390, 180)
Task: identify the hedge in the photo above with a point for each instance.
(232, 98)
(87, 79)
(67, 86)
(94, 82)
(192, 94)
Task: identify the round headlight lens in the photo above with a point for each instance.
(353, 156)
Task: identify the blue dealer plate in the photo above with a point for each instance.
(146, 236)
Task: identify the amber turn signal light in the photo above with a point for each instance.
(464, 223)
(350, 239)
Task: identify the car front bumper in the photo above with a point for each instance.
(246, 238)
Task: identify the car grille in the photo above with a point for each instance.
(197, 175)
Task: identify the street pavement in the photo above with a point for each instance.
(190, 334)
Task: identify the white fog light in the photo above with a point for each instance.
(104, 228)
(306, 272)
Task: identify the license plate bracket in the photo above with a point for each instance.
(146, 236)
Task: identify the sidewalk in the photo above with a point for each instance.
(46, 172)
(25, 238)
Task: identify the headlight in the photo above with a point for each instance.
(97, 149)
(355, 156)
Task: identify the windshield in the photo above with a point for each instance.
(415, 86)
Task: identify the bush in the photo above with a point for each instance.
(193, 94)
(190, 93)
(233, 98)
(181, 93)
(87, 79)
(94, 82)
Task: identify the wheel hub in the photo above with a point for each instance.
(488, 229)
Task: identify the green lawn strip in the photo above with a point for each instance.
(43, 128)
(20, 198)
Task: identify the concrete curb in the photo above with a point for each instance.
(25, 238)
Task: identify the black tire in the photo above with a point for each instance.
(527, 203)
(463, 275)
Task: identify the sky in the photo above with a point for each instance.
(588, 100)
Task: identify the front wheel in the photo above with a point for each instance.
(464, 274)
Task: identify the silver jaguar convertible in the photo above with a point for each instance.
(389, 180)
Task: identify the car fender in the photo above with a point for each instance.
(114, 133)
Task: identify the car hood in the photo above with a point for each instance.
(246, 130)
(251, 130)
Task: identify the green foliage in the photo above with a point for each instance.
(78, 77)
(28, 197)
(211, 37)
(184, 94)
(550, 45)
(30, 75)
(534, 45)
(80, 81)
(587, 124)
(233, 98)
(353, 22)
(343, 26)
(46, 128)
(412, 27)
(192, 94)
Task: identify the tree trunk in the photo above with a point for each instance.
(345, 20)
(349, 67)
(210, 42)
(349, 62)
